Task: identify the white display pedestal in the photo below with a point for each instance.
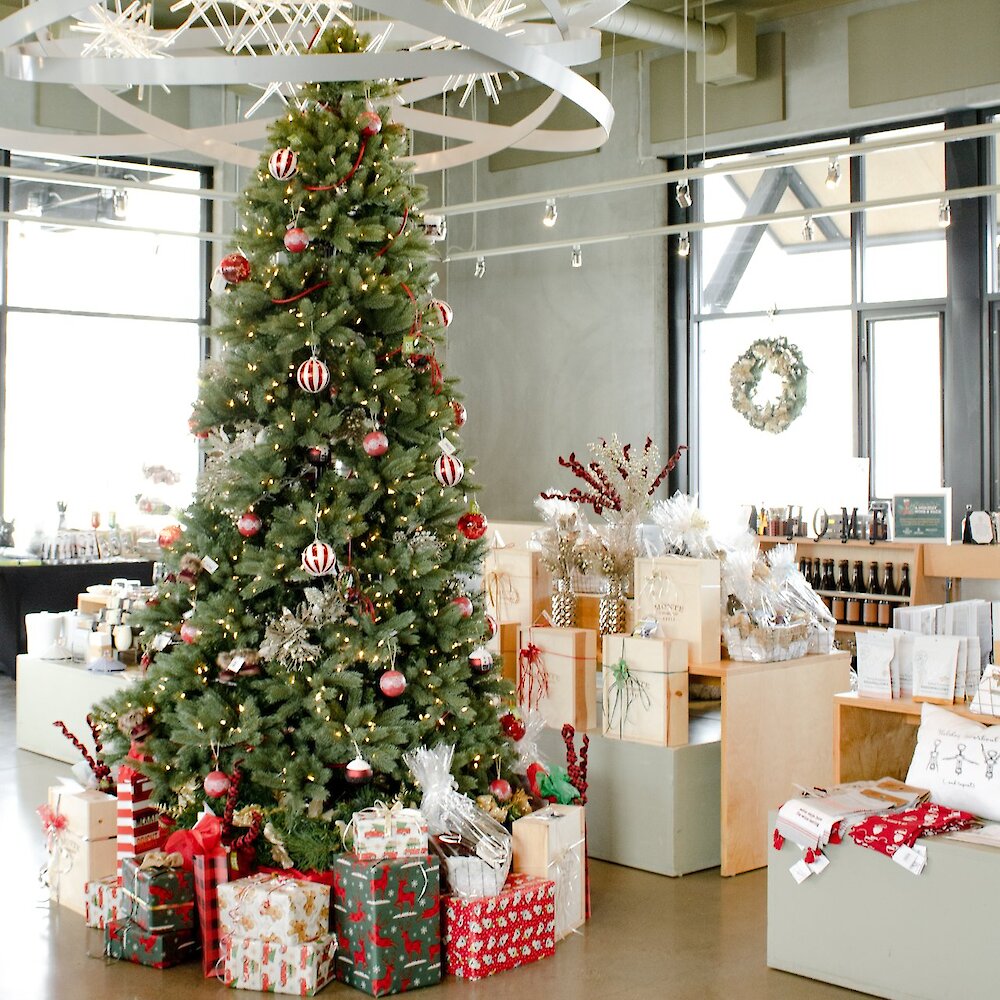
(867, 924)
(51, 690)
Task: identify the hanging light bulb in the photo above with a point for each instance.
(480, 271)
(944, 213)
(551, 213)
(833, 173)
(684, 246)
(808, 232)
(683, 194)
(577, 259)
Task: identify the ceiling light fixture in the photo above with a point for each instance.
(683, 194)
(577, 259)
(551, 213)
(480, 271)
(808, 231)
(684, 246)
(833, 173)
(944, 213)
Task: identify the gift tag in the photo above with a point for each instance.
(162, 641)
(188, 614)
(911, 859)
(446, 446)
(209, 564)
(800, 871)
(820, 864)
(236, 664)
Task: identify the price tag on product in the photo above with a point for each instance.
(446, 446)
(209, 564)
(161, 641)
(910, 858)
(800, 871)
(236, 664)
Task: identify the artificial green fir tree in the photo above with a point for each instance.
(317, 609)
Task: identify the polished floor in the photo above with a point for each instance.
(700, 937)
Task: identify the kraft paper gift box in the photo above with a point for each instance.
(102, 901)
(495, 933)
(387, 919)
(552, 844)
(274, 908)
(127, 941)
(384, 832)
(73, 863)
(157, 898)
(557, 674)
(645, 690)
(515, 584)
(269, 967)
(504, 643)
(90, 815)
(683, 596)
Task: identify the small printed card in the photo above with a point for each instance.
(875, 654)
(935, 663)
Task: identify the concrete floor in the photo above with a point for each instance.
(700, 937)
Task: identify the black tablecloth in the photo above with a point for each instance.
(24, 589)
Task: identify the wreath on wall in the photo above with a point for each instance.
(785, 360)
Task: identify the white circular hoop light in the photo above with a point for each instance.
(543, 53)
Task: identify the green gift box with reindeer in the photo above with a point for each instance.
(386, 915)
(645, 690)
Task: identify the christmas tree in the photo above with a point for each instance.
(316, 622)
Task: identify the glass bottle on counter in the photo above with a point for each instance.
(869, 613)
(805, 568)
(904, 581)
(885, 609)
(857, 590)
(839, 607)
(817, 574)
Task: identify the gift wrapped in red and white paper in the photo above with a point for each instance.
(391, 832)
(274, 908)
(271, 967)
(495, 933)
(138, 816)
(102, 901)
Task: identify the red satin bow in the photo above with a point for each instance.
(205, 838)
(52, 822)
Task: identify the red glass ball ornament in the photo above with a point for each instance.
(359, 771)
(473, 525)
(190, 633)
(169, 535)
(296, 239)
(392, 683)
(369, 123)
(500, 790)
(491, 627)
(463, 604)
(196, 430)
(448, 470)
(461, 414)
(318, 455)
(234, 268)
(375, 444)
(313, 375)
(319, 559)
(481, 660)
(283, 164)
(216, 784)
(512, 726)
(249, 524)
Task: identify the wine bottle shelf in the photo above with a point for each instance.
(851, 595)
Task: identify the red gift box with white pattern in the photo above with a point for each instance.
(494, 933)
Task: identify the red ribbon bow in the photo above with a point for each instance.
(205, 838)
(532, 677)
(52, 822)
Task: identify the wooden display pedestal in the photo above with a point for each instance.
(870, 926)
(50, 690)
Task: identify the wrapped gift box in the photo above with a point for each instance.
(297, 969)
(90, 815)
(386, 833)
(495, 933)
(127, 941)
(551, 844)
(650, 703)
(683, 596)
(73, 863)
(211, 871)
(515, 584)
(102, 901)
(274, 908)
(138, 822)
(561, 682)
(158, 899)
(388, 923)
(504, 644)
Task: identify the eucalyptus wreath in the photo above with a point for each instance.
(785, 360)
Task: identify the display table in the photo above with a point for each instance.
(777, 731)
(54, 587)
(50, 690)
(867, 924)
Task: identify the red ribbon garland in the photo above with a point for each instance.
(300, 295)
(532, 677)
(343, 180)
(399, 232)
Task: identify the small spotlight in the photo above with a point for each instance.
(944, 214)
(551, 213)
(119, 204)
(683, 194)
(808, 231)
(833, 173)
(480, 271)
(684, 246)
(577, 259)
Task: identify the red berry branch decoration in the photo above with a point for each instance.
(101, 770)
(231, 796)
(576, 767)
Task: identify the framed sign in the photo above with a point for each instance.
(925, 516)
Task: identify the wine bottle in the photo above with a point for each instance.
(857, 590)
(839, 607)
(885, 609)
(817, 574)
(904, 581)
(762, 521)
(869, 613)
(889, 583)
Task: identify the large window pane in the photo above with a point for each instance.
(104, 270)
(811, 462)
(89, 403)
(904, 255)
(906, 405)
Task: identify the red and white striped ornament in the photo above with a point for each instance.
(448, 470)
(481, 660)
(319, 559)
(313, 375)
(283, 163)
(296, 239)
(491, 627)
(442, 312)
(461, 414)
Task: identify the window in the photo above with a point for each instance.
(102, 340)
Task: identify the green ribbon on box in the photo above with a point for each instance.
(626, 690)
